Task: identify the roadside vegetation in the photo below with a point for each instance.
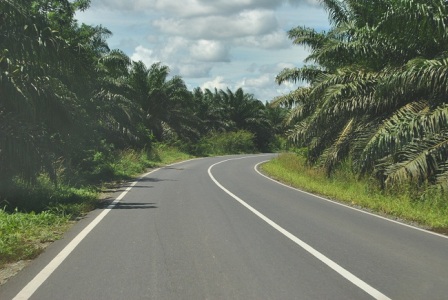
(345, 186)
(47, 210)
(373, 102)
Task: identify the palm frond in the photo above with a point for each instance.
(308, 37)
(419, 160)
(339, 148)
(442, 178)
(336, 10)
(298, 96)
(295, 75)
(388, 138)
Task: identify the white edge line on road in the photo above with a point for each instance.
(347, 206)
(340, 270)
(43, 275)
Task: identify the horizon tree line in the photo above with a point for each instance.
(64, 95)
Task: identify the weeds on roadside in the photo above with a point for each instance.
(22, 235)
(430, 210)
(32, 215)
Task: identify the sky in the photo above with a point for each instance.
(212, 43)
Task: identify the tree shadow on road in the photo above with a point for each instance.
(140, 205)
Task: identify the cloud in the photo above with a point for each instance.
(245, 23)
(194, 8)
(264, 87)
(193, 70)
(145, 55)
(275, 68)
(269, 68)
(179, 65)
(211, 51)
(257, 82)
(261, 81)
(225, 7)
(273, 40)
(218, 82)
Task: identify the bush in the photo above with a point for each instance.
(227, 143)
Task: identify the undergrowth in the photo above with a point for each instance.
(23, 235)
(32, 215)
(238, 142)
(345, 186)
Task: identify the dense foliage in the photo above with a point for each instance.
(376, 91)
(67, 101)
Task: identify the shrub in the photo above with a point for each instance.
(227, 143)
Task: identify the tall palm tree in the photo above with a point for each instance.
(242, 111)
(36, 106)
(376, 91)
(206, 108)
(119, 116)
(164, 101)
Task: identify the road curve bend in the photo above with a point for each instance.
(214, 228)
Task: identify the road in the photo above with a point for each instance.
(214, 228)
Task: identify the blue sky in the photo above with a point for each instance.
(211, 43)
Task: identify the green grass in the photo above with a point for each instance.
(344, 186)
(164, 154)
(33, 215)
(22, 235)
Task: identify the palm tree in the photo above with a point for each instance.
(49, 86)
(164, 101)
(242, 111)
(206, 108)
(36, 106)
(376, 91)
(119, 116)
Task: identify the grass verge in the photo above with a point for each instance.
(31, 217)
(344, 186)
(25, 235)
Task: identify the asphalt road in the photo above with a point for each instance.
(214, 228)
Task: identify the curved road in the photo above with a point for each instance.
(215, 228)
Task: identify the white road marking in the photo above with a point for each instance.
(347, 206)
(333, 265)
(43, 275)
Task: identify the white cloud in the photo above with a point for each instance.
(174, 47)
(145, 55)
(273, 40)
(245, 23)
(193, 70)
(275, 68)
(269, 68)
(218, 82)
(258, 82)
(211, 51)
(192, 8)
(264, 87)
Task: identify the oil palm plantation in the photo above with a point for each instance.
(120, 118)
(37, 108)
(244, 112)
(376, 90)
(61, 88)
(164, 102)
